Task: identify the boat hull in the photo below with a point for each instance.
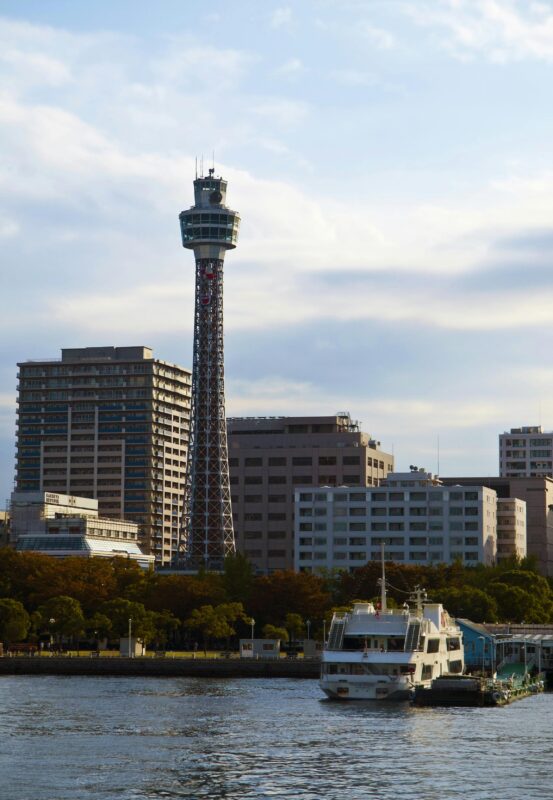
(365, 690)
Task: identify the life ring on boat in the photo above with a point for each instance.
(496, 696)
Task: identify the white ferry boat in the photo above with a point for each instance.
(383, 654)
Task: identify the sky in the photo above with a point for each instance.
(392, 162)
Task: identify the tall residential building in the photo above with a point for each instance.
(418, 521)
(537, 492)
(209, 228)
(109, 423)
(526, 452)
(270, 456)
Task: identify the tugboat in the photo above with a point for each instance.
(384, 654)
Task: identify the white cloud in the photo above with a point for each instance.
(281, 17)
(283, 112)
(8, 227)
(290, 68)
(499, 30)
(195, 66)
(380, 38)
(354, 77)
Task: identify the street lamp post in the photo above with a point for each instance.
(130, 637)
(308, 623)
(52, 621)
(252, 622)
(324, 633)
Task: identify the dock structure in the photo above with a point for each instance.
(468, 690)
(165, 667)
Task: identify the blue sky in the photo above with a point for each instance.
(392, 163)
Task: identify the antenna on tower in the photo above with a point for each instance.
(202, 166)
(438, 455)
(213, 160)
(196, 167)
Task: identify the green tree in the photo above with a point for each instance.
(99, 626)
(286, 592)
(275, 632)
(469, 602)
(119, 611)
(238, 579)
(216, 622)
(14, 621)
(62, 616)
(166, 625)
(294, 624)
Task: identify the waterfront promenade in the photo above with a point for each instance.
(161, 667)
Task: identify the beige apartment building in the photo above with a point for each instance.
(109, 423)
(511, 528)
(270, 456)
(537, 493)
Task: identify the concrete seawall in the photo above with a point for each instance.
(161, 667)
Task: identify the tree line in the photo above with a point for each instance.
(43, 599)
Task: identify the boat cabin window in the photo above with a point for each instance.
(426, 672)
(433, 646)
(453, 644)
(456, 667)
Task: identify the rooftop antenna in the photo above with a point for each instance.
(202, 166)
(196, 167)
(213, 160)
(438, 454)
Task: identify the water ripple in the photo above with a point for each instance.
(147, 739)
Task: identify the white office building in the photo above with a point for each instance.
(526, 453)
(64, 525)
(418, 520)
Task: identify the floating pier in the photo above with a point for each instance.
(467, 690)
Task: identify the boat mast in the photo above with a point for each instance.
(383, 581)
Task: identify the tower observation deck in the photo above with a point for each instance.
(209, 228)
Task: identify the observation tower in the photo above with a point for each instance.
(209, 228)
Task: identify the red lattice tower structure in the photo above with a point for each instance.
(209, 228)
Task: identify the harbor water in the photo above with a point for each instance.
(84, 738)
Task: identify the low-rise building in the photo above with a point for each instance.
(259, 648)
(415, 517)
(64, 525)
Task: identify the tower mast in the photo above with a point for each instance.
(208, 228)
